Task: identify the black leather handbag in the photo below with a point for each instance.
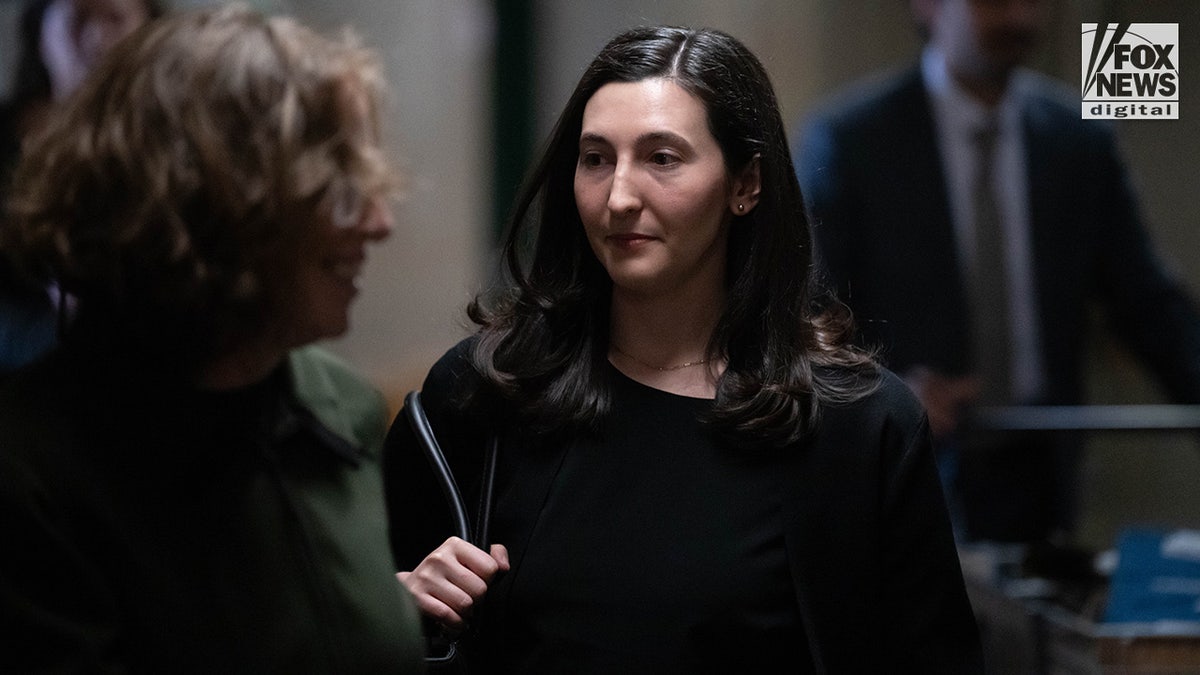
(444, 655)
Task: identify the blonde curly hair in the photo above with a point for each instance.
(202, 146)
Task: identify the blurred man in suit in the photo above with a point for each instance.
(970, 218)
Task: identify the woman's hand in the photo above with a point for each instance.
(451, 580)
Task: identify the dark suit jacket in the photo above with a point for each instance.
(872, 174)
(872, 559)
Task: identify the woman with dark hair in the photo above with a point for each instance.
(697, 471)
(186, 485)
(59, 42)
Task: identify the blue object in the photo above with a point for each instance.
(1157, 577)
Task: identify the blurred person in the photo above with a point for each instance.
(971, 218)
(185, 486)
(696, 472)
(96, 26)
(59, 42)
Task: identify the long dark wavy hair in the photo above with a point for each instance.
(544, 336)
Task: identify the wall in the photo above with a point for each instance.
(10, 12)
(436, 55)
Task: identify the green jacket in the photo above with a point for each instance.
(153, 528)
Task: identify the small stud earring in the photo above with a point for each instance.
(741, 207)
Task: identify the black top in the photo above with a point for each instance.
(653, 547)
(658, 550)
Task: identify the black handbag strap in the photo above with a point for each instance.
(487, 494)
(458, 508)
(445, 476)
(437, 461)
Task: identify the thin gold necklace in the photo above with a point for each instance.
(661, 369)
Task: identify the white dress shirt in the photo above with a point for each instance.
(958, 118)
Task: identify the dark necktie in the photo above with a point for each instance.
(992, 344)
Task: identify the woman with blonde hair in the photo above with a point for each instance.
(185, 486)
